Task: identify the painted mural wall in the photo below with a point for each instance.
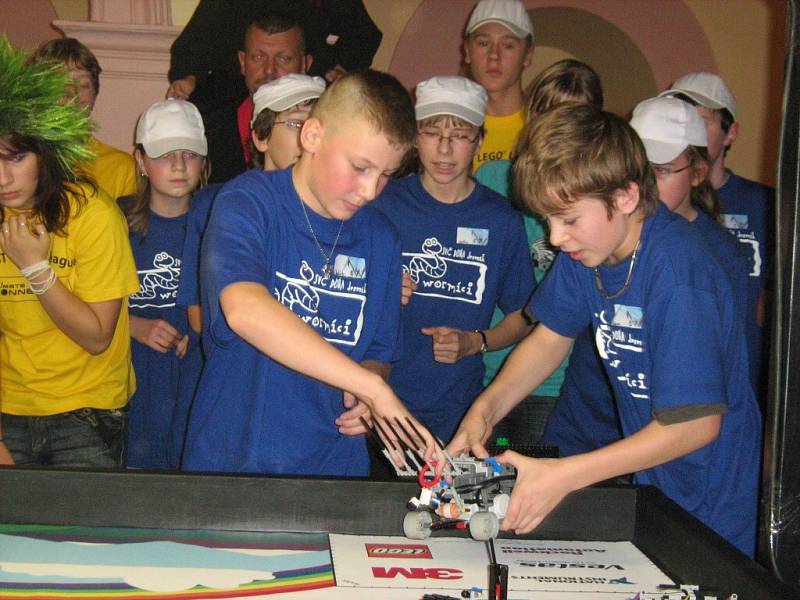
(637, 46)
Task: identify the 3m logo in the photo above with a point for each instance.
(416, 573)
(398, 551)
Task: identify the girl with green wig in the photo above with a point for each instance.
(66, 270)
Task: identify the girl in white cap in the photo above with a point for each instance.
(171, 155)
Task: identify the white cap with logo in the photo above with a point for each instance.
(451, 95)
(286, 92)
(509, 13)
(667, 126)
(171, 125)
(707, 89)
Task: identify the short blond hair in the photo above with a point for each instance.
(374, 96)
(576, 150)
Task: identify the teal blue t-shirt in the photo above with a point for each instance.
(496, 174)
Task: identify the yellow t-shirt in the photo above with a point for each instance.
(42, 371)
(112, 169)
(501, 137)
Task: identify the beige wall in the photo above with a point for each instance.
(742, 39)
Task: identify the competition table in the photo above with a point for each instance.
(680, 545)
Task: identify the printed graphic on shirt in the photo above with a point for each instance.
(542, 254)
(159, 285)
(739, 225)
(335, 311)
(445, 272)
(472, 236)
(17, 286)
(350, 266)
(615, 338)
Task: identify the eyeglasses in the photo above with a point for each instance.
(432, 136)
(663, 172)
(291, 123)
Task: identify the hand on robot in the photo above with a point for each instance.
(541, 485)
(471, 436)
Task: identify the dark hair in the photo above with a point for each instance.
(54, 184)
(278, 21)
(567, 80)
(71, 53)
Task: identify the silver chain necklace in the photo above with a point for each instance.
(599, 282)
(327, 268)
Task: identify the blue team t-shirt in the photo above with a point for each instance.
(165, 383)
(585, 417)
(465, 258)
(196, 222)
(252, 414)
(748, 212)
(672, 339)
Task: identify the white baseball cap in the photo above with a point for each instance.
(667, 126)
(171, 125)
(285, 92)
(451, 95)
(509, 13)
(707, 89)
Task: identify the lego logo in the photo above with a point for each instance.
(398, 551)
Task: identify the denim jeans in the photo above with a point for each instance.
(86, 437)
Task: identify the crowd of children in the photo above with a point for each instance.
(276, 315)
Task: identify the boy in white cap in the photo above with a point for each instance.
(747, 206)
(281, 108)
(465, 249)
(498, 47)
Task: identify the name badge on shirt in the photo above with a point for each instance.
(627, 316)
(472, 236)
(735, 221)
(350, 266)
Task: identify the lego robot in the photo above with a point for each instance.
(475, 499)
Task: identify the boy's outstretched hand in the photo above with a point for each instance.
(542, 483)
(471, 436)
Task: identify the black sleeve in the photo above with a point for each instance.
(358, 36)
(210, 40)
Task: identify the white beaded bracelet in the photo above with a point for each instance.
(40, 288)
(35, 269)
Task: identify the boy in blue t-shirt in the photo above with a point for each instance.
(301, 282)
(465, 249)
(665, 325)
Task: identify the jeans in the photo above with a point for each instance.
(86, 437)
